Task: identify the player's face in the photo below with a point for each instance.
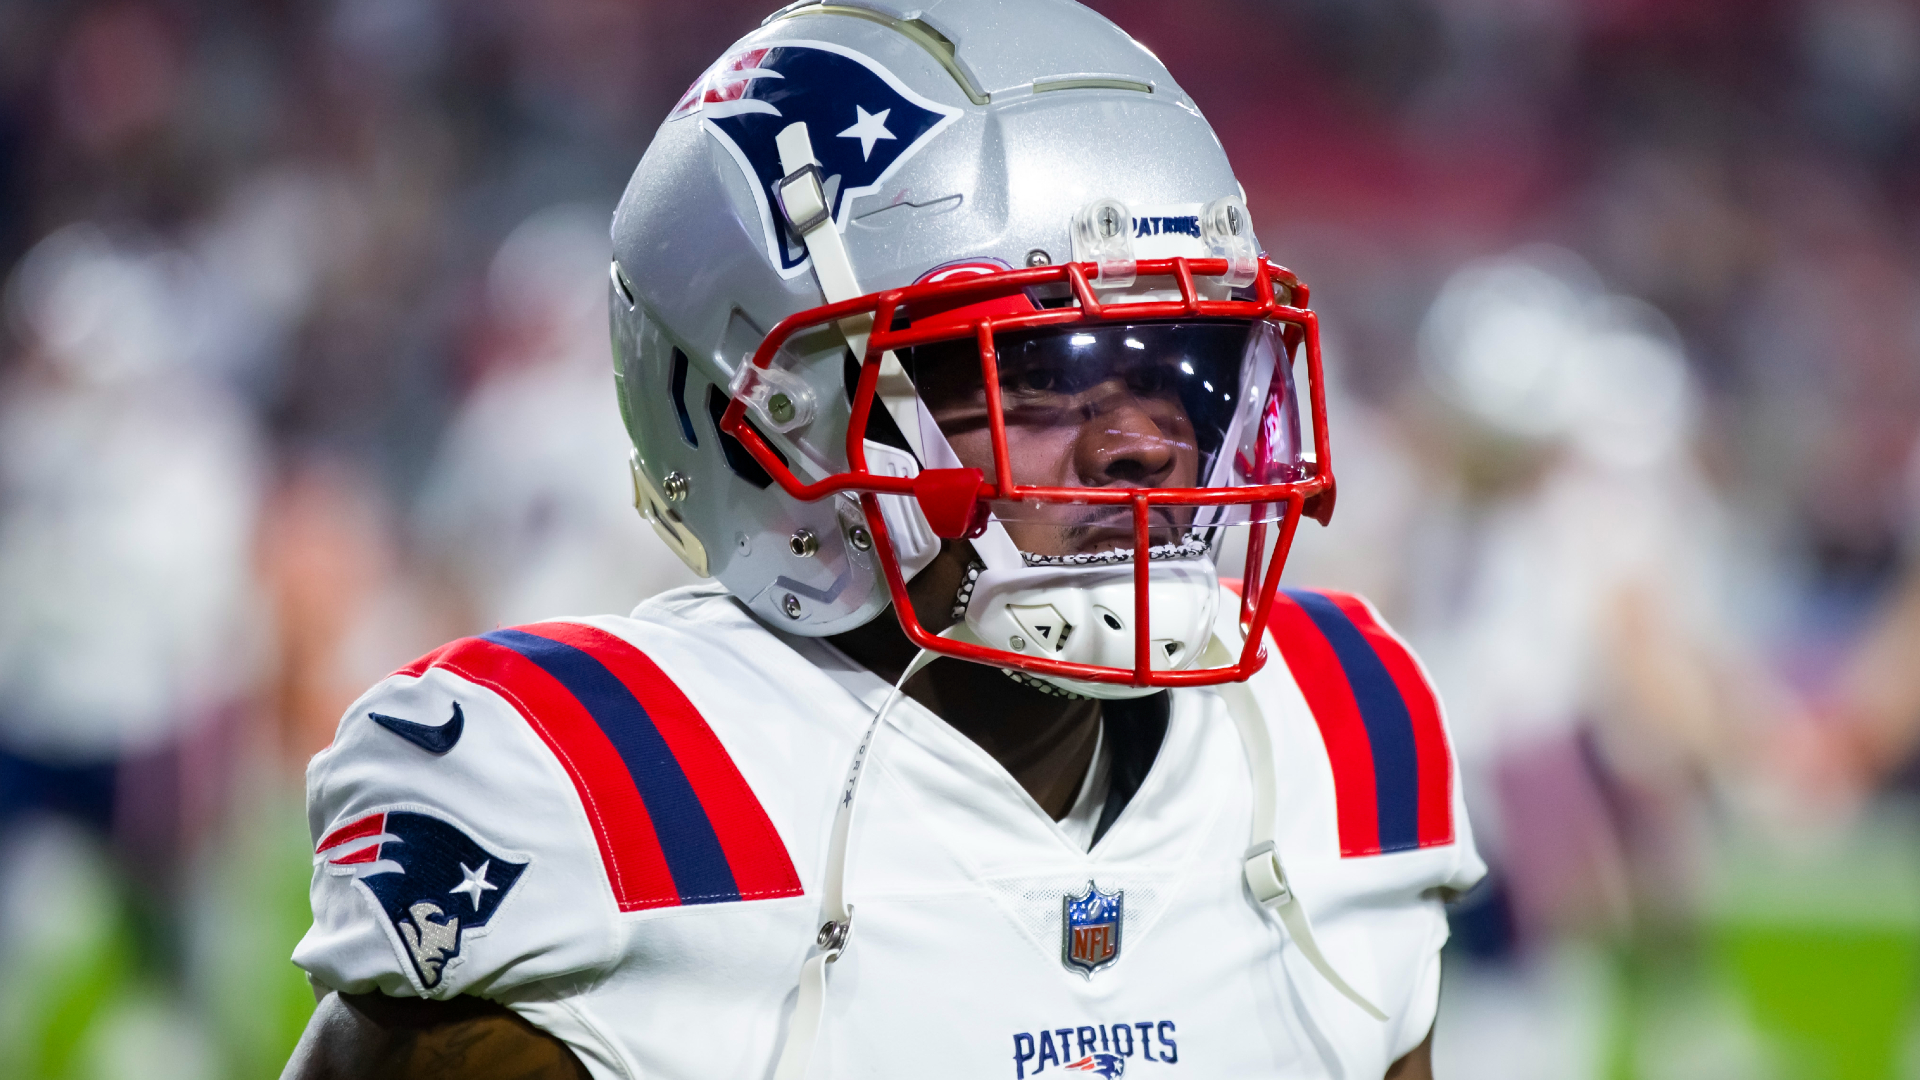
(1101, 407)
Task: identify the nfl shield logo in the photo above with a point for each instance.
(1090, 929)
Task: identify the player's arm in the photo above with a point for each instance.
(432, 887)
(375, 1037)
(1417, 1064)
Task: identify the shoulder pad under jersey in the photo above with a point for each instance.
(1358, 724)
(487, 813)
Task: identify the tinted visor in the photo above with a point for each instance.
(1194, 404)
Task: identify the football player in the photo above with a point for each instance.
(948, 351)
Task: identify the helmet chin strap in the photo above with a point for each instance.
(836, 915)
(1260, 864)
(804, 201)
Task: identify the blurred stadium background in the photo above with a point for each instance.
(304, 371)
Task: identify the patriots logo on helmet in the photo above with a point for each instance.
(1109, 1065)
(864, 123)
(435, 883)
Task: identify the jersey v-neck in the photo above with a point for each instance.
(1126, 745)
(1082, 819)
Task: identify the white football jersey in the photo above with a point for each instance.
(618, 827)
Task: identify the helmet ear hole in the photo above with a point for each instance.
(741, 462)
(677, 387)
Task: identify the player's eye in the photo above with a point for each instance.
(1042, 378)
(1153, 381)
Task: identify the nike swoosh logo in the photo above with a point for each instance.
(434, 740)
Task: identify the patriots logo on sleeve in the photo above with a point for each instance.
(436, 884)
(863, 121)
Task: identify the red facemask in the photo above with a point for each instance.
(1195, 396)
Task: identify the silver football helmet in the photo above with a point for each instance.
(887, 278)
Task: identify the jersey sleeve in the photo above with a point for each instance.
(1372, 826)
(454, 852)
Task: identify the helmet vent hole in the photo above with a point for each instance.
(1111, 620)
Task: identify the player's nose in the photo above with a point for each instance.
(1121, 444)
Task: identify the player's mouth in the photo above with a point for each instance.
(1103, 528)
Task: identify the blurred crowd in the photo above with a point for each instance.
(304, 370)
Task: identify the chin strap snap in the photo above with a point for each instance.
(1269, 884)
(1266, 878)
(803, 199)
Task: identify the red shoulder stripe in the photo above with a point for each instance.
(635, 865)
(1423, 707)
(754, 851)
(1323, 682)
(419, 667)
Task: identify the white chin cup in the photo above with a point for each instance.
(1084, 615)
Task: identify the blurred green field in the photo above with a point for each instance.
(95, 989)
(1804, 965)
